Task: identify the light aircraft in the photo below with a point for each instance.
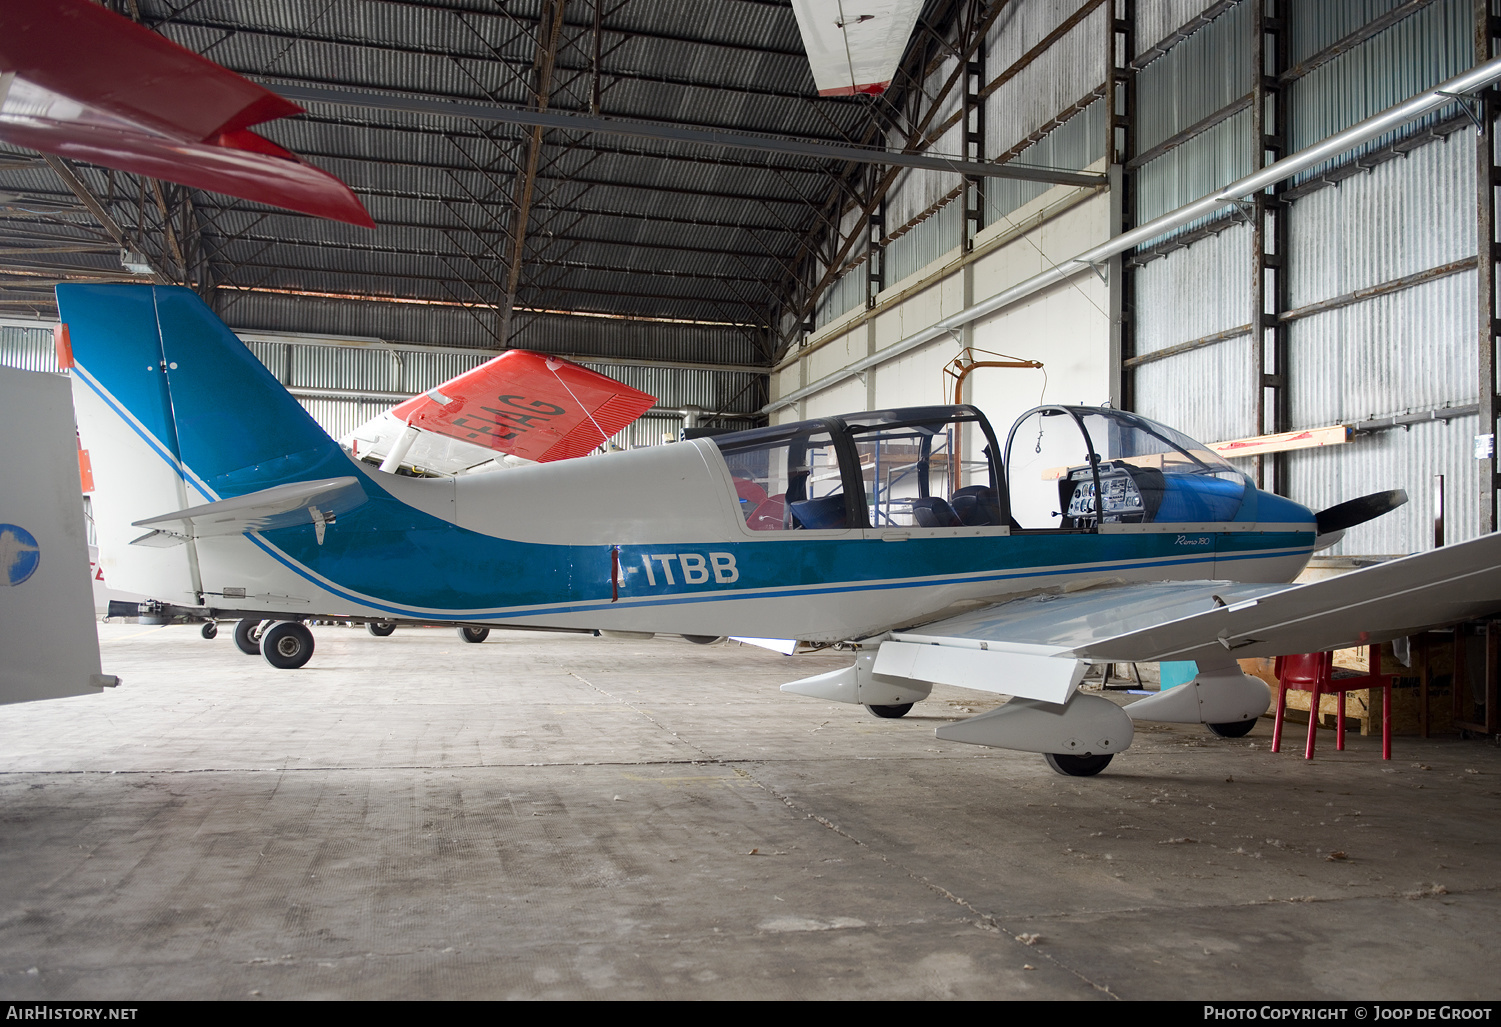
(911, 537)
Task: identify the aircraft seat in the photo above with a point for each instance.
(976, 505)
(827, 512)
(1152, 484)
(933, 512)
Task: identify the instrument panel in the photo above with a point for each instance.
(1121, 500)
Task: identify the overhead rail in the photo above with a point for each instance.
(1461, 87)
(571, 122)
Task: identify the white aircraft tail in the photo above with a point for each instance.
(175, 412)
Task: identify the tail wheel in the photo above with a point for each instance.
(287, 645)
(1078, 766)
(474, 634)
(209, 630)
(1234, 729)
(380, 629)
(248, 636)
(891, 712)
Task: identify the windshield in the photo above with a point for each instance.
(1132, 439)
(1079, 467)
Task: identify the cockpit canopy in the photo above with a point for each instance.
(1068, 468)
(1075, 467)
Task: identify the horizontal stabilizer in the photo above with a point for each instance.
(285, 506)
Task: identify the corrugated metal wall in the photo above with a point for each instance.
(1405, 352)
(455, 326)
(26, 348)
(1415, 54)
(305, 364)
(1076, 65)
(1191, 294)
(1199, 76)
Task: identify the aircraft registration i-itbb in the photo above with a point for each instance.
(911, 537)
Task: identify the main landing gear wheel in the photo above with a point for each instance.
(474, 634)
(287, 645)
(1234, 729)
(1078, 766)
(209, 630)
(703, 639)
(891, 712)
(380, 629)
(248, 636)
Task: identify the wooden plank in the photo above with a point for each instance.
(1308, 438)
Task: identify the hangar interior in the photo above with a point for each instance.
(656, 190)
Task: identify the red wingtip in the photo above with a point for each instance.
(142, 103)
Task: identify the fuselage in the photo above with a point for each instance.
(653, 540)
(823, 530)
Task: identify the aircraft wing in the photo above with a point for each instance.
(305, 502)
(523, 405)
(80, 81)
(1036, 647)
(854, 45)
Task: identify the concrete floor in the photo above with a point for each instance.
(550, 816)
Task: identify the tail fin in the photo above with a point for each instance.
(175, 411)
(160, 358)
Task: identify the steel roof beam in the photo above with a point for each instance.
(680, 133)
(621, 151)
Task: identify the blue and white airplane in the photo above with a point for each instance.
(911, 537)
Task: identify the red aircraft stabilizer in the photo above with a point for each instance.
(528, 404)
(82, 82)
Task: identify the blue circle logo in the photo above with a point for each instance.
(19, 554)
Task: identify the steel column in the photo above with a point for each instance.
(1486, 181)
(1269, 223)
(974, 144)
(1120, 145)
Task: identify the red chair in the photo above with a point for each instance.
(1314, 672)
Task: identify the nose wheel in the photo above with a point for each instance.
(1078, 766)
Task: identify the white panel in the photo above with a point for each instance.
(46, 601)
(844, 398)
(916, 378)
